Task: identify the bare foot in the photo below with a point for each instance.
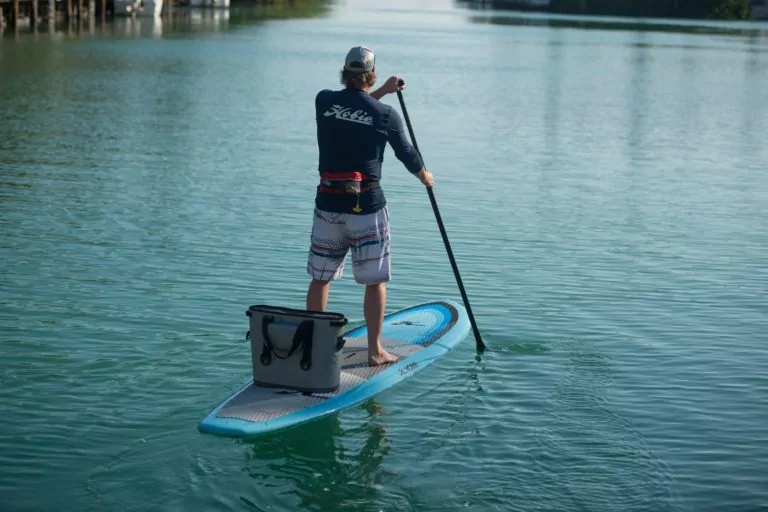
(382, 357)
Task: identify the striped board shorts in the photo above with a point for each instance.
(335, 234)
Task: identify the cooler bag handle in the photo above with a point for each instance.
(301, 338)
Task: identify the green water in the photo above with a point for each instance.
(603, 187)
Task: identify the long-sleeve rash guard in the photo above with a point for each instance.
(353, 130)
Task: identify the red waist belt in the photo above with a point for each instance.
(349, 182)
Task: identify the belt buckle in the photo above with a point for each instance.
(352, 187)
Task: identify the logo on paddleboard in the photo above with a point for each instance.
(346, 114)
(408, 368)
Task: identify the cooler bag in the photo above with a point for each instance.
(295, 349)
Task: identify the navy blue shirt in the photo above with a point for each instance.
(353, 129)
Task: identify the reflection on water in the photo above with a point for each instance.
(332, 468)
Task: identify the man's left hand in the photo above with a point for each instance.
(392, 85)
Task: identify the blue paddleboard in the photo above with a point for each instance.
(418, 335)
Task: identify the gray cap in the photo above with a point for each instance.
(359, 59)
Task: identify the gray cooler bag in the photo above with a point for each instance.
(295, 349)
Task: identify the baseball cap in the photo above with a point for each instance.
(359, 59)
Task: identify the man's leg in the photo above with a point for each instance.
(373, 307)
(370, 242)
(317, 295)
(325, 261)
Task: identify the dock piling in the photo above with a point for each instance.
(22, 14)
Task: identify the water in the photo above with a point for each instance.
(603, 187)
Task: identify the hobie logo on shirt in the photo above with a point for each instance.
(346, 114)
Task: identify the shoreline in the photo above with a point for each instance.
(179, 19)
(741, 10)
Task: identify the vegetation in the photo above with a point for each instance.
(249, 11)
(729, 9)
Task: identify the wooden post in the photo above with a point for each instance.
(35, 14)
(2, 19)
(15, 13)
(80, 10)
(103, 10)
(51, 14)
(91, 16)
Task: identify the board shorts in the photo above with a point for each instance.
(336, 234)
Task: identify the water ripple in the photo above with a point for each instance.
(609, 233)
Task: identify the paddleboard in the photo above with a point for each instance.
(418, 335)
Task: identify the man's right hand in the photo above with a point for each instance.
(426, 178)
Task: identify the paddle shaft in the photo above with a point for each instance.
(479, 341)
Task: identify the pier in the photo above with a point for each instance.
(33, 13)
(20, 13)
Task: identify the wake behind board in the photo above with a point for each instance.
(418, 335)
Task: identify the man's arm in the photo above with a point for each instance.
(378, 93)
(404, 150)
(390, 86)
(319, 100)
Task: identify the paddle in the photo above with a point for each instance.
(479, 342)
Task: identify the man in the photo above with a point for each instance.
(353, 129)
